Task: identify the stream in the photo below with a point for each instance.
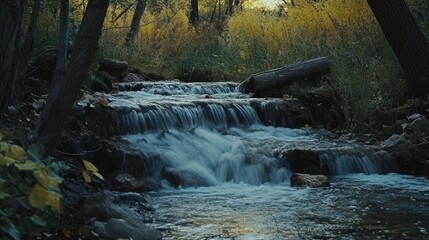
(221, 161)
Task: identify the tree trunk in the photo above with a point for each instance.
(230, 8)
(275, 78)
(60, 65)
(135, 23)
(194, 16)
(60, 101)
(22, 56)
(407, 41)
(11, 12)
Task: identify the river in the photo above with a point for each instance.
(220, 160)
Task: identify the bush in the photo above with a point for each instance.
(29, 193)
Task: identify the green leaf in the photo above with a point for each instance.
(11, 230)
(36, 150)
(4, 195)
(27, 166)
(38, 220)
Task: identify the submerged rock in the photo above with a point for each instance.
(127, 183)
(121, 229)
(120, 215)
(306, 180)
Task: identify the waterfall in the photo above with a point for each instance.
(201, 134)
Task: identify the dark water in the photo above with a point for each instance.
(356, 206)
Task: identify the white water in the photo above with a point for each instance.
(231, 174)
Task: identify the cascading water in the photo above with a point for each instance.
(224, 162)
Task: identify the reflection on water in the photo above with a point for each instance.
(356, 206)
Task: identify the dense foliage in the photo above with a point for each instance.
(252, 40)
(29, 188)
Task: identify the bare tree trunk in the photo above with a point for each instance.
(135, 23)
(407, 41)
(229, 9)
(22, 56)
(214, 12)
(60, 101)
(11, 12)
(194, 16)
(60, 65)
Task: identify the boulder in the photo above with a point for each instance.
(306, 180)
(131, 207)
(132, 77)
(408, 158)
(121, 229)
(114, 67)
(325, 108)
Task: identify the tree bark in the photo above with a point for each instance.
(194, 15)
(60, 65)
(407, 41)
(11, 12)
(229, 9)
(135, 23)
(275, 78)
(60, 101)
(22, 57)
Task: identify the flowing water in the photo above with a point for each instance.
(221, 160)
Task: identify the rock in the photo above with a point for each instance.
(405, 153)
(418, 130)
(305, 180)
(147, 76)
(133, 77)
(114, 67)
(324, 105)
(127, 183)
(132, 207)
(121, 229)
(304, 161)
(98, 85)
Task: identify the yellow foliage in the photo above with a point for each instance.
(27, 166)
(11, 150)
(90, 168)
(6, 160)
(325, 22)
(40, 197)
(45, 180)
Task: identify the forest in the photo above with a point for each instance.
(105, 98)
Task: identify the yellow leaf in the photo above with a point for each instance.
(45, 180)
(86, 176)
(6, 160)
(11, 150)
(37, 197)
(98, 175)
(89, 166)
(66, 233)
(27, 166)
(40, 197)
(104, 102)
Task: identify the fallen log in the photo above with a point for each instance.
(275, 78)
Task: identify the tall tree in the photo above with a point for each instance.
(135, 23)
(21, 59)
(60, 65)
(58, 107)
(407, 41)
(229, 8)
(11, 12)
(194, 15)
